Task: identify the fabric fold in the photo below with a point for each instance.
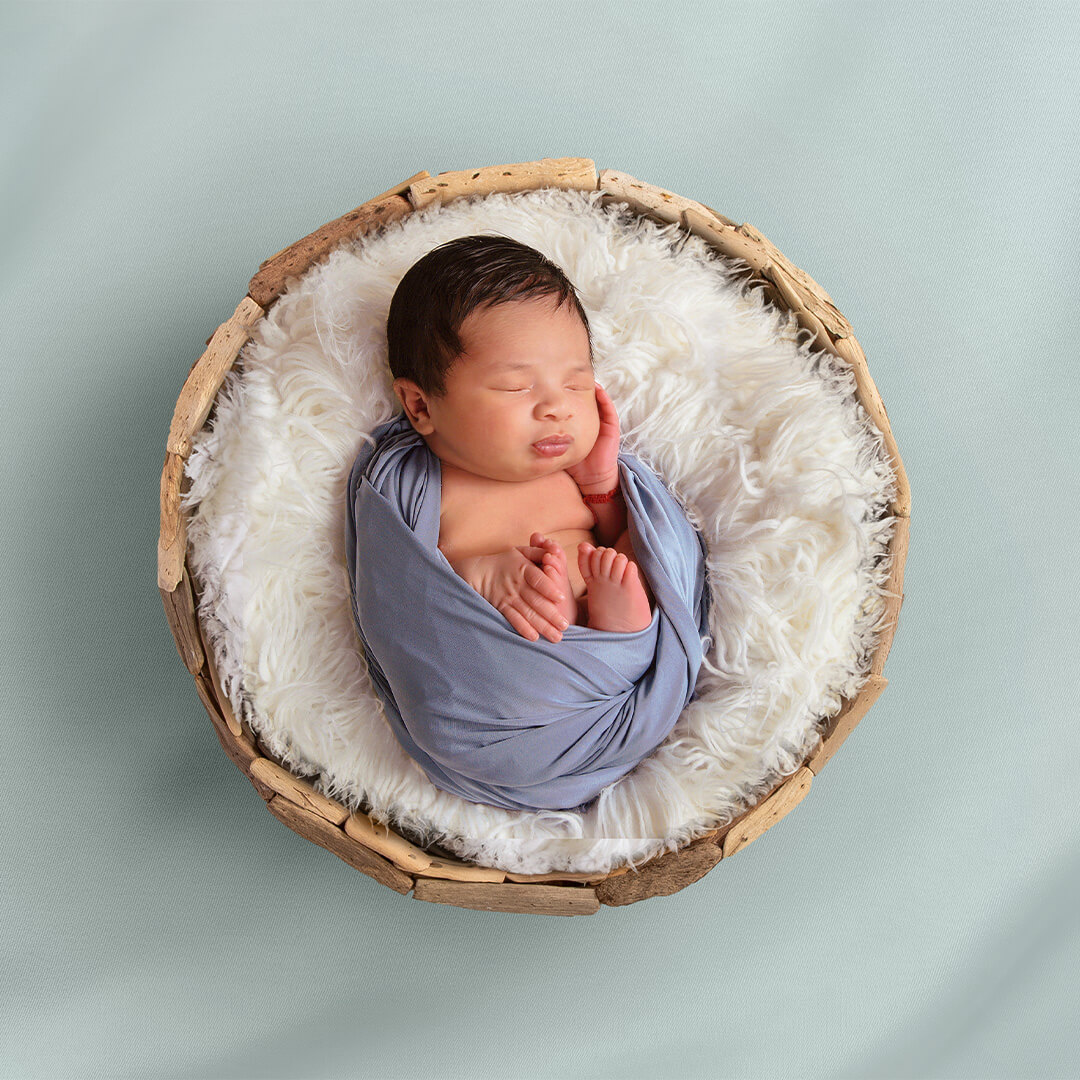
(488, 715)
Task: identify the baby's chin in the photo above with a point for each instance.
(537, 470)
(545, 468)
(565, 461)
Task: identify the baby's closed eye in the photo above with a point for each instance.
(523, 389)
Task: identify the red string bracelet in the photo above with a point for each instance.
(602, 498)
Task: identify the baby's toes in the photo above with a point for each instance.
(554, 547)
(555, 559)
(618, 567)
(607, 561)
(596, 560)
(585, 552)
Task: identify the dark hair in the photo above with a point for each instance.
(438, 291)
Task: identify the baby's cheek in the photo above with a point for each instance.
(500, 428)
(583, 449)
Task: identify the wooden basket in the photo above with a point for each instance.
(354, 837)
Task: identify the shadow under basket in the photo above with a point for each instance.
(372, 848)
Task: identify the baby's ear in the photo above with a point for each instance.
(414, 402)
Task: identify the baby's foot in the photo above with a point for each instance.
(617, 598)
(553, 564)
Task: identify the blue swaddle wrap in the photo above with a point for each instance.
(488, 715)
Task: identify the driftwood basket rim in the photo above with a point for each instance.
(354, 837)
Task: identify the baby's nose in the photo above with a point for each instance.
(555, 406)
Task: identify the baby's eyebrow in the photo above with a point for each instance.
(522, 365)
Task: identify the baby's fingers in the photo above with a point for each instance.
(543, 584)
(527, 621)
(544, 615)
(605, 406)
(518, 621)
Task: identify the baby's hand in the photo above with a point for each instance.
(517, 587)
(600, 470)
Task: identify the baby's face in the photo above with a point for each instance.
(524, 377)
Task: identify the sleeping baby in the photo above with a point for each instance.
(492, 357)
(532, 603)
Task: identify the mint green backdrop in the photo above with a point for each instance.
(917, 915)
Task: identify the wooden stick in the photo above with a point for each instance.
(403, 187)
(526, 899)
(452, 870)
(236, 738)
(269, 283)
(844, 722)
(397, 189)
(387, 843)
(192, 408)
(898, 548)
(316, 828)
(577, 174)
(172, 537)
(209, 669)
(799, 301)
(298, 791)
(651, 201)
(411, 858)
(811, 295)
(180, 612)
(206, 377)
(240, 749)
(729, 240)
(720, 217)
(766, 814)
(716, 836)
(662, 876)
(819, 336)
(746, 243)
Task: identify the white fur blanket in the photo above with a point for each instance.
(762, 440)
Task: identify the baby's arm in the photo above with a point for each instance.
(515, 586)
(598, 474)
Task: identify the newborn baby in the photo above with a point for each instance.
(492, 357)
(525, 651)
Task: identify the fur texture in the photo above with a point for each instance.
(761, 440)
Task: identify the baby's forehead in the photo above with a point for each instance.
(499, 366)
